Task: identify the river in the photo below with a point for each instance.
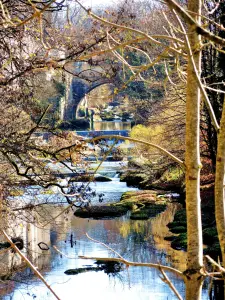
(140, 241)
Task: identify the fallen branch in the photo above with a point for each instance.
(130, 263)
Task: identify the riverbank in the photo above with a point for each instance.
(146, 176)
(210, 237)
(143, 178)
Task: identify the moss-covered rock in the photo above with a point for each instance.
(177, 224)
(81, 178)
(210, 237)
(178, 229)
(101, 212)
(144, 204)
(149, 211)
(141, 197)
(132, 179)
(102, 178)
(139, 215)
(89, 177)
(180, 242)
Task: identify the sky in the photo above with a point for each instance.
(91, 3)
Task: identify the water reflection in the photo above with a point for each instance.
(140, 241)
(132, 239)
(111, 125)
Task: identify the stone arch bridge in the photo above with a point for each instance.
(89, 79)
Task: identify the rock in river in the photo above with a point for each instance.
(101, 212)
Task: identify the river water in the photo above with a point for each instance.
(139, 241)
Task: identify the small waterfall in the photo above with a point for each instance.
(117, 175)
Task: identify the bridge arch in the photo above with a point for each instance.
(80, 87)
(95, 97)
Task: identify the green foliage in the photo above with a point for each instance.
(107, 116)
(138, 89)
(174, 173)
(180, 215)
(147, 133)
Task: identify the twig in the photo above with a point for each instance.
(84, 189)
(61, 253)
(201, 87)
(103, 244)
(136, 31)
(130, 263)
(170, 284)
(34, 269)
(196, 26)
(214, 263)
(118, 137)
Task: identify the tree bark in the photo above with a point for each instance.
(2, 221)
(220, 185)
(193, 165)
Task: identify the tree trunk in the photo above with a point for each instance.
(220, 185)
(193, 166)
(2, 221)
